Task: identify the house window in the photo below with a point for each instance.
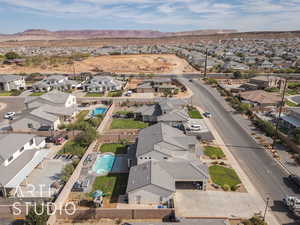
(22, 149)
(149, 157)
(141, 157)
(10, 159)
(165, 157)
(31, 142)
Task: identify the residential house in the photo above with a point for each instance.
(162, 142)
(261, 98)
(263, 82)
(58, 82)
(170, 112)
(102, 84)
(266, 65)
(156, 182)
(291, 119)
(12, 82)
(167, 160)
(19, 155)
(46, 112)
(156, 85)
(234, 66)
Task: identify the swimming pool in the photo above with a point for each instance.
(98, 111)
(104, 164)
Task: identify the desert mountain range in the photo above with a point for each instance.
(40, 34)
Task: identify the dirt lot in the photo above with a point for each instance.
(137, 64)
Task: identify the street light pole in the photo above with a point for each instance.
(279, 114)
(266, 209)
(205, 65)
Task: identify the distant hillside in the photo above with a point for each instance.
(40, 34)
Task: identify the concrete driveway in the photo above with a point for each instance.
(190, 203)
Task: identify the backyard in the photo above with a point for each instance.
(224, 176)
(214, 152)
(127, 124)
(111, 185)
(117, 148)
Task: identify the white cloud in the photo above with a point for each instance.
(204, 14)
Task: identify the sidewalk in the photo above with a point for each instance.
(244, 178)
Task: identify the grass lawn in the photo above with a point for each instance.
(195, 114)
(114, 94)
(127, 124)
(116, 148)
(37, 93)
(291, 104)
(90, 94)
(5, 93)
(292, 92)
(221, 175)
(112, 185)
(214, 152)
(123, 112)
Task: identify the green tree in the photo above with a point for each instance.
(34, 219)
(296, 135)
(255, 220)
(237, 75)
(67, 172)
(11, 55)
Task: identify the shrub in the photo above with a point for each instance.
(67, 172)
(226, 187)
(214, 157)
(11, 55)
(33, 217)
(235, 187)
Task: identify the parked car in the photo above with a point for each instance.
(59, 140)
(207, 114)
(9, 115)
(294, 179)
(195, 127)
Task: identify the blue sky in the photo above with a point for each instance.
(163, 15)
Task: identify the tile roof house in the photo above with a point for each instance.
(102, 84)
(47, 111)
(11, 82)
(19, 155)
(58, 82)
(261, 98)
(166, 160)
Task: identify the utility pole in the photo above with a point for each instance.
(279, 114)
(266, 209)
(205, 65)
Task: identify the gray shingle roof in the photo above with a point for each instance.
(10, 143)
(149, 173)
(9, 78)
(154, 137)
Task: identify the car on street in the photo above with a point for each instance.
(9, 115)
(207, 114)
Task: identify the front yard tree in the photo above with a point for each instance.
(12, 55)
(37, 216)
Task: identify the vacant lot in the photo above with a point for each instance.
(138, 64)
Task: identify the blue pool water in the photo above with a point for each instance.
(104, 164)
(98, 111)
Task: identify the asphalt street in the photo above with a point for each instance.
(263, 171)
(13, 104)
